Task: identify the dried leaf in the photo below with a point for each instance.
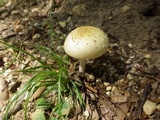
(4, 93)
(121, 111)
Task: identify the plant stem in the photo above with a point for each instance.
(82, 64)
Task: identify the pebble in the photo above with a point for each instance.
(34, 10)
(25, 11)
(129, 61)
(43, 58)
(99, 80)
(131, 83)
(108, 93)
(15, 12)
(26, 19)
(86, 113)
(58, 32)
(92, 96)
(132, 56)
(50, 61)
(60, 48)
(108, 88)
(114, 89)
(130, 45)
(106, 84)
(158, 106)
(91, 77)
(18, 28)
(149, 107)
(147, 56)
(125, 8)
(129, 77)
(62, 24)
(121, 80)
(36, 36)
(136, 65)
(68, 19)
(133, 70)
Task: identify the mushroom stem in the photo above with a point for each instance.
(82, 64)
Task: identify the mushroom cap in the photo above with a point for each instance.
(86, 42)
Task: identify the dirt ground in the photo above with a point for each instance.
(129, 73)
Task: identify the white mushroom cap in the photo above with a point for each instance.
(86, 42)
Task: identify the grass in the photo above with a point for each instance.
(53, 78)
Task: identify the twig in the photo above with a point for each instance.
(142, 100)
(90, 87)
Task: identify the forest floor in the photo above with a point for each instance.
(120, 82)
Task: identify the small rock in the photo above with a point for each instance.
(158, 106)
(36, 36)
(68, 19)
(130, 45)
(149, 107)
(62, 24)
(133, 70)
(58, 32)
(114, 89)
(108, 93)
(15, 12)
(26, 19)
(147, 56)
(25, 10)
(108, 88)
(132, 56)
(50, 61)
(131, 83)
(125, 8)
(34, 10)
(129, 77)
(86, 113)
(91, 77)
(129, 61)
(92, 96)
(43, 58)
(118, 98)
(60, 48)
(98, 80)
(121, 80)
(136, 65)
(18, 28)
(106, 84)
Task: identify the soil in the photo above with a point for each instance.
(132, 63)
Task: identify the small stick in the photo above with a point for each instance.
(90, 87)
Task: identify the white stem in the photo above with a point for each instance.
(82, 64)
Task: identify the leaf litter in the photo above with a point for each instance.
(123, 79)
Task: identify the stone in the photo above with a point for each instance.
(149, 107)
(125, 8)
(62, 24)
(147, 56)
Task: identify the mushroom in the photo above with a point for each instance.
(84, 43)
